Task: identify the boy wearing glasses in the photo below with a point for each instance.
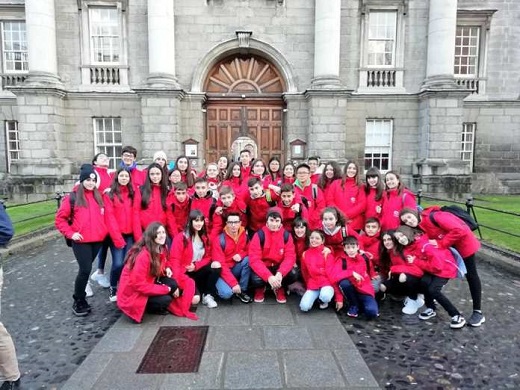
(227, 203)
(310, 194)
(129, 161)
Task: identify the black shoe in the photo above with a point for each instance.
(112, 294)
(11, 385)
(81, 308)
(244, 297)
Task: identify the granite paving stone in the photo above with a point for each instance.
(311, 369)
(330, 336)
(119, 340)
(229, 315)
(354, 368)
(287, 337)
(93, 366)
(252, 370)
(272, 315)
(235, 338)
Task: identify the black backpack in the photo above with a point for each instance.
(459, 213)
(261, 237)
(72, 201)
(314, 190)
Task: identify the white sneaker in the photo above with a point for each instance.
(209, 301)
(324, 305)
(412, 305)
(101, 279)
(88, 290)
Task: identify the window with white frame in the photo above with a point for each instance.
(14, 47)
(382, 33)
(468, 142)
(378, 144)
(105, 35)
(12, 137)
(108, 140)
(467, 51)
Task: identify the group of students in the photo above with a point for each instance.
(238, 228)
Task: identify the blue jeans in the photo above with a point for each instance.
(103, 253)
(241, 271)
(325, 294)
(118, 259)
(355, 299)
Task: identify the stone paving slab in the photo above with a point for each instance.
(311, 369)
(252, 370)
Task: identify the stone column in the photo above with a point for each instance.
(161, 44)
(442, 27)
(41, 40)
(327, 44)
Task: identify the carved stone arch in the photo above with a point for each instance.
(256, 48)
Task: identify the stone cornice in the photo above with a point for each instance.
(102, 95)
(328, 92)
(28, 90)
(163, 92)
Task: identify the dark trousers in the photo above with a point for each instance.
(291, 277)
(206, 279)
(85, 254)
(432, 286)
(158, 304)
(475, 287)
(410, 288)
(365, 302)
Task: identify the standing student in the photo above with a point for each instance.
(87, 230)
(150, 201)
(211, 174)
(174, 177)
(259, 170)
(178, 204)
(288, 174)
(273, 177)
(347, 195)
(204, 201)
(222, 164)
(161, 159)
(331, 173)
(314, 165)
(129, 161)
(9, 371)
(148, 283)
(315, 264)
(245, 163)
(101, 165)
(230, 249)
(190, 254)
(258, 203)
(290, 206)
(449, 231)
(310, 194)
(188, 174)
(374, 189)
(228, 203)
(395, 198)
(234, 180)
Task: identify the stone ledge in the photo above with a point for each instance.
(500, 257)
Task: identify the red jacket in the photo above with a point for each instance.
(435, 261)
(372, 205)
(275, 252)
(238, 185)
(105, 177)
(154, 213)
(393, 203)
(315, 202)
(399, 264)
(224, 256)
(371, 246)
(207, 206)
(300, 246)
(238, 206)
(91, 221)
(246, 172)
(350, 199)
(345, 266)
(138, 178)
(326, 188)
(177, 213)
(258, 208)
(277, 181)
(181, 254)
(288, 215)
(335, 241)
(314, 268)
(451, 231)
(120, 212)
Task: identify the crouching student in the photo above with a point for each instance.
(369, 243)
(230, 250)
(227, 203)
(439, 266)
(350, 272)
(314, 266)
(272, 258)
(147, 283)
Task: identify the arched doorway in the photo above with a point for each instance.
(244, 104)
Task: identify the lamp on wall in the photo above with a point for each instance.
(298, 148)
(191, 148)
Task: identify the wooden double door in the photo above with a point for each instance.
(230, 126)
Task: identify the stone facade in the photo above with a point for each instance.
(162, 104)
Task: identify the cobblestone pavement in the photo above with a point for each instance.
(401, 351)
(405, 352)
(36, 309)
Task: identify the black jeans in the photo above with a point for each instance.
(158, 304)
(85, 254)
(475, 287)
(291, 277)
(410, 288)
(432, 286)
(206, 279)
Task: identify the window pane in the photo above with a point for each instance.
(105, 36)
(14, 41)
(378, 143)
(467, 51)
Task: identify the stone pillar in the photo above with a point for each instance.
(442, 27)
(327, 32)
(41, 41)
(161, 44)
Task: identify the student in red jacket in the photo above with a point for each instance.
(188, 174)
(204, 201)
(331, 173)
(347, 195)
(351, 273)
(288, 174)
(128, 161)
(147, 283)
(258, 203)
(119, 206)
(374, 189)
(273, 179)
(222, 164)
(150, 201)
(245, 163)
(335, 229)
(86, 226)
(369, 241)
(300, 233)
(178, 204)
(291, 207)
(395, 198)
(449, 231)
(439, 266)
(211, 174)
(228, 203)
(316, 169)
(310, 194)
(230, 249)
(272, 258)
(314, 266)
(190, 254)
(234, 180)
